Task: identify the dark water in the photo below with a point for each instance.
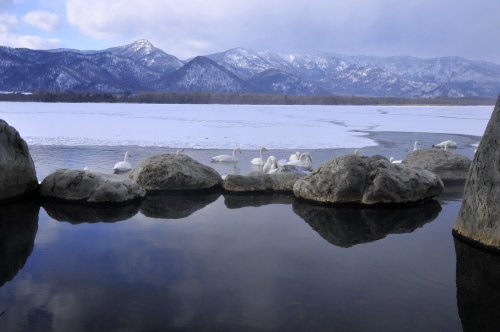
(238, 263)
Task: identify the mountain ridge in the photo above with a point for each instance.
(140, 66)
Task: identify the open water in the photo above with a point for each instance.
(218, 262)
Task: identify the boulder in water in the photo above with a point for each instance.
(17, 170)
(89, 187)
(478, 219)
(367, 180)
(447, 165)
(165, 172)
(258, 182)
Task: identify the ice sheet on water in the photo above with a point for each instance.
(227, 126)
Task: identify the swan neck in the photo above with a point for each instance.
(261, 154)
(126, 157)
(234, 153)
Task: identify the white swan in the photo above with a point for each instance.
(294, 156)
(259, 161)
(226, 158)
(449, 143)
(356, 152)
(395, 161)
(271, 165)
(123, 165)
(180, 151)
(415, 145)
(305, 161)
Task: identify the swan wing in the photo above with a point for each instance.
(294, 162)
(224, 158)
(122, 165)
(257, 161)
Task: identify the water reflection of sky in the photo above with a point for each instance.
(248, 268)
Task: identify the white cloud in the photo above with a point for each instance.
(8, 23)
(32, 42)
(43, 20)
(379, 27)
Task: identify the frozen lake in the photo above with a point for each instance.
(228, 126)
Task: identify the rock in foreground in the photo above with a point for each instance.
(367, 180)
(259, 182)
(447, 165)
(17, 170)
(478, 219)
(90, 187)
(165, 172)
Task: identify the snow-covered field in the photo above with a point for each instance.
(227, 126)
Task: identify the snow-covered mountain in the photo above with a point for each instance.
(140, 66)
(400, 76)
(277, 81)
(26, 70)
(203, 75)
(144, 53)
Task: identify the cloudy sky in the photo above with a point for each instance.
(421, 28)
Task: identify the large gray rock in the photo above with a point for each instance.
(478, 219)
(90, 187)
(259, 182)
(367, 180)
(165, 172)
(447, 165)
(17, 170)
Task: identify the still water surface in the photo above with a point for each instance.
(219, 262)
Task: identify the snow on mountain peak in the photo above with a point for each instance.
(143, 44)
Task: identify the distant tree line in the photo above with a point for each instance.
(231, 98)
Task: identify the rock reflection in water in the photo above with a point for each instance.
(478, 288)
(453, 191)
(345, 226)
(255, 200)
(18, 227)
(77, 214)
(176, 205)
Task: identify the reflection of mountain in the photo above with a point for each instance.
(345, 226)
(478, 291)
(176, 206)
(18, 227)
(256, 200)
(77, 214)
